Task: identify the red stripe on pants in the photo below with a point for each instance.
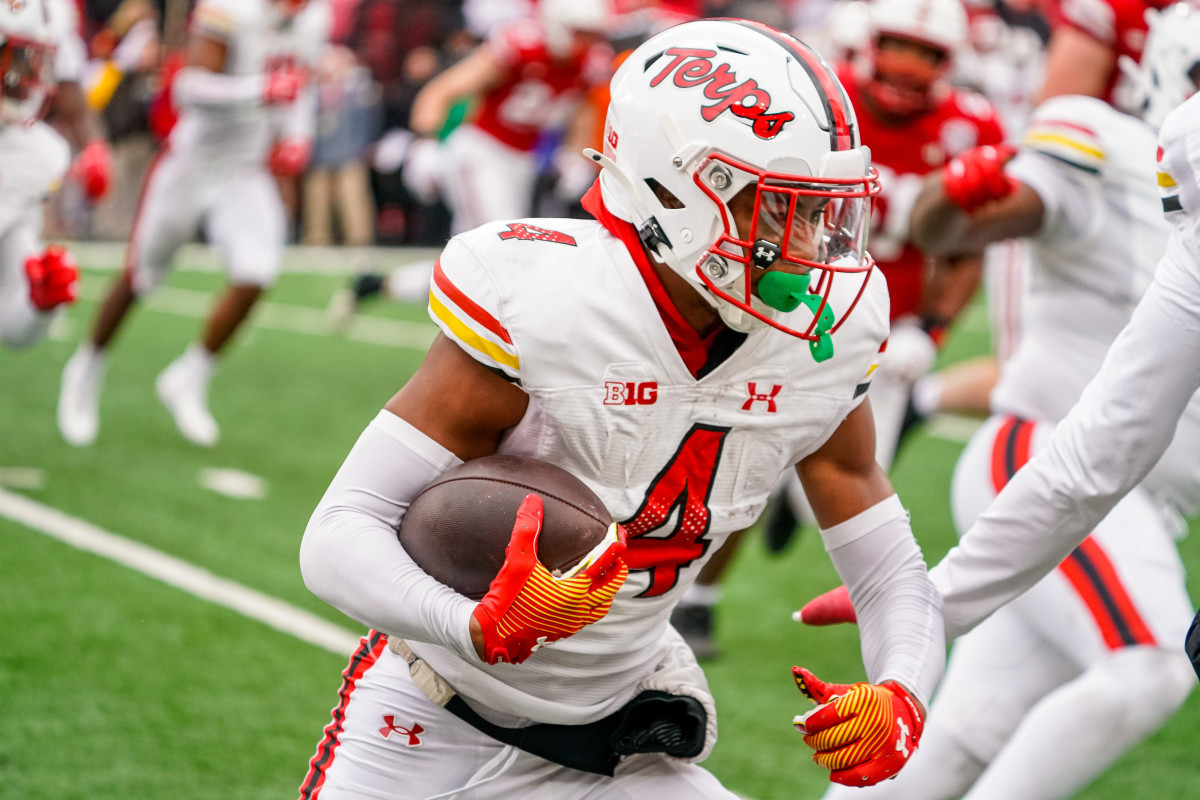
(363, 659)
(1089, 569)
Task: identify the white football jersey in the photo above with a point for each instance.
(560, 307)
(33, 160)
(259, 39)
(1102, 237)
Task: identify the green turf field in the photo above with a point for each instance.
(117, 686)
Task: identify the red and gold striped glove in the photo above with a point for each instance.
(526, 607)
(863, 733)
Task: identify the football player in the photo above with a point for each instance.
(1089, 39)
(914, 121)
(714, 325)
(247, 112)
(528, 77)
(1029, 696)
(69, 110)
(35, 281)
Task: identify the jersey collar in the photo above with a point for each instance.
(693, 348)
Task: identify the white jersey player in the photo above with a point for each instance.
(69, 109)
(714, 326)
(35, 281)
(247, 112)
(1123, 429)
(1022, 710)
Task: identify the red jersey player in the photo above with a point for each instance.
(914, 121)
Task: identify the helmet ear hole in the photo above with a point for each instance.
(664, 195)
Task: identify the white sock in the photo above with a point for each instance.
(199, 361)
(927, 394)
(409, 282)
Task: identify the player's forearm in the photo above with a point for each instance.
(197, 87)
(1107, 444)
(298, 120)
(899, 611)
(350, 556)
(21, 323)
(936, 224)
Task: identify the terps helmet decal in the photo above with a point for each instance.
(693, 66)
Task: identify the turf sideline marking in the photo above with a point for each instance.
(178, 573)
(288, 318)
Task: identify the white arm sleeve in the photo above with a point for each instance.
(899, 611)
(350, 556)
(21, 323)
(197, 87)
(1121, 426)
(298, 120)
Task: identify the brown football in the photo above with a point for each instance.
(456, 529)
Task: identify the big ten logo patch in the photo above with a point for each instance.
(630, 393)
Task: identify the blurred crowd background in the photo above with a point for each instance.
(381, 52)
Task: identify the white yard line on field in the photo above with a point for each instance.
(178, 573)
(296, 259)
(288, 318)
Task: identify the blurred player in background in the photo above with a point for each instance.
(528, 78)
(1034, 702)
(35, 281)
(914, 121)
(69, 111)
(1088, 40)
(715, 325)
(247, 112)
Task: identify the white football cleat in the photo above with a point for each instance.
(79, 396)
(185, 394)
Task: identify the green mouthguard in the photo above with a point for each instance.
(785, 292)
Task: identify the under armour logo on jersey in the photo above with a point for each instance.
(390, 727)
(902, 742)
(526, 233)
(746, 100)
(757, 396)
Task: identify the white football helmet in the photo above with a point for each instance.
(561, 19)
(26, 61)
(1169, 70)
(707, 109)
(904, 85)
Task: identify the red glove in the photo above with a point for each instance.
(526, 607)
(977, 177)
(832, 608)
(862, 733)
(93, 168)
(289, 157)
(283, 85)
(53, 278)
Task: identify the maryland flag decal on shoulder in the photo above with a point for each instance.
(1168, 186)
(471, 325)
(1068, 142)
